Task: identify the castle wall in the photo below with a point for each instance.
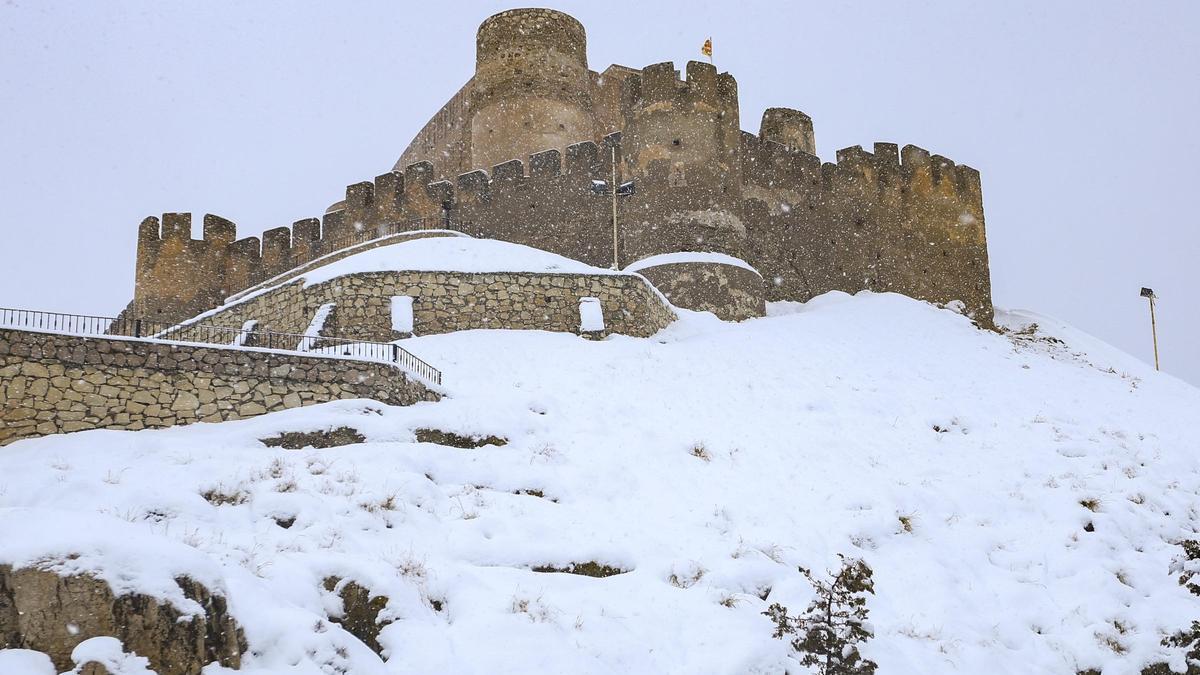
(874, 221)
(386, 240)
(59, 383)
(680, 144)
(178, 274)
(731, 293)
(531, 91)
(450, 301)
(789, 128)
(443, 140)
(880, 221)
(506, 130)
(550, 206)
(532, 87)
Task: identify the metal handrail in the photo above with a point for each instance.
(313, 345)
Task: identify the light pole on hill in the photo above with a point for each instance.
(1149, 294)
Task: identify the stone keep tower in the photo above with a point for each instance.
(681, 142)
(531, 89)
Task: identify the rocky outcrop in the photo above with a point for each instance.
(457, 440)
(43, 611)
(360, 611)
(329, 438)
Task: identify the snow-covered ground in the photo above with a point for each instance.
(1020, 500)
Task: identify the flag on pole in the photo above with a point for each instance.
(707, 48)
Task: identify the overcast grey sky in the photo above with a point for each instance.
(1081, 116)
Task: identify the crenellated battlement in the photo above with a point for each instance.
(911, 171)
(515, 151)
(658, 87)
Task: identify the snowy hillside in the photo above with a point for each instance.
(1020, 498)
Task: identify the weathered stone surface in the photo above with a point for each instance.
(454, 440)
(43, 611)
(732, 293)
(296, 440)
(360, 611)
(496, 300)
(185, 401)
(101, 394)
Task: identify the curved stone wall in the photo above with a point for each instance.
(449, 301)
(531, 87)
(731, 292)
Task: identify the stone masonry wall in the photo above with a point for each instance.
(53, 383)
(451, 301)
(732, 293)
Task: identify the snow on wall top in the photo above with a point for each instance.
(452, 254)
(689, 257)
(438, 254)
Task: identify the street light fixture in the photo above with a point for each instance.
(604, 187)
(1149, 294)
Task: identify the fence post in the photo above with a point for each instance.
(395, 353)
(137, 328)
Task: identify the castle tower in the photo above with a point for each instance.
(531, 89)
(681, 143)
(788, 127)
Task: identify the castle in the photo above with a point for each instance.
(718, 219)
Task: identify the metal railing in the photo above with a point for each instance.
(314, 345)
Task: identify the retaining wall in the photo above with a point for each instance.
(732, 293)
(449, 301)
(53, 383)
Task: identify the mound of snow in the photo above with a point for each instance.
(689, 257)
(110, 653)
(26, 662)
(452, 254)
(1020, 498)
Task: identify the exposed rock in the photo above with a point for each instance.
(43, 611)
(455, 440)
(587, 569)
(360, 611)
(331, 438)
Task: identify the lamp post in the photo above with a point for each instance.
(603, 187)
(1149, 294)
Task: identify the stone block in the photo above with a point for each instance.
(34, 369)
(185, 402)
(251, 409)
